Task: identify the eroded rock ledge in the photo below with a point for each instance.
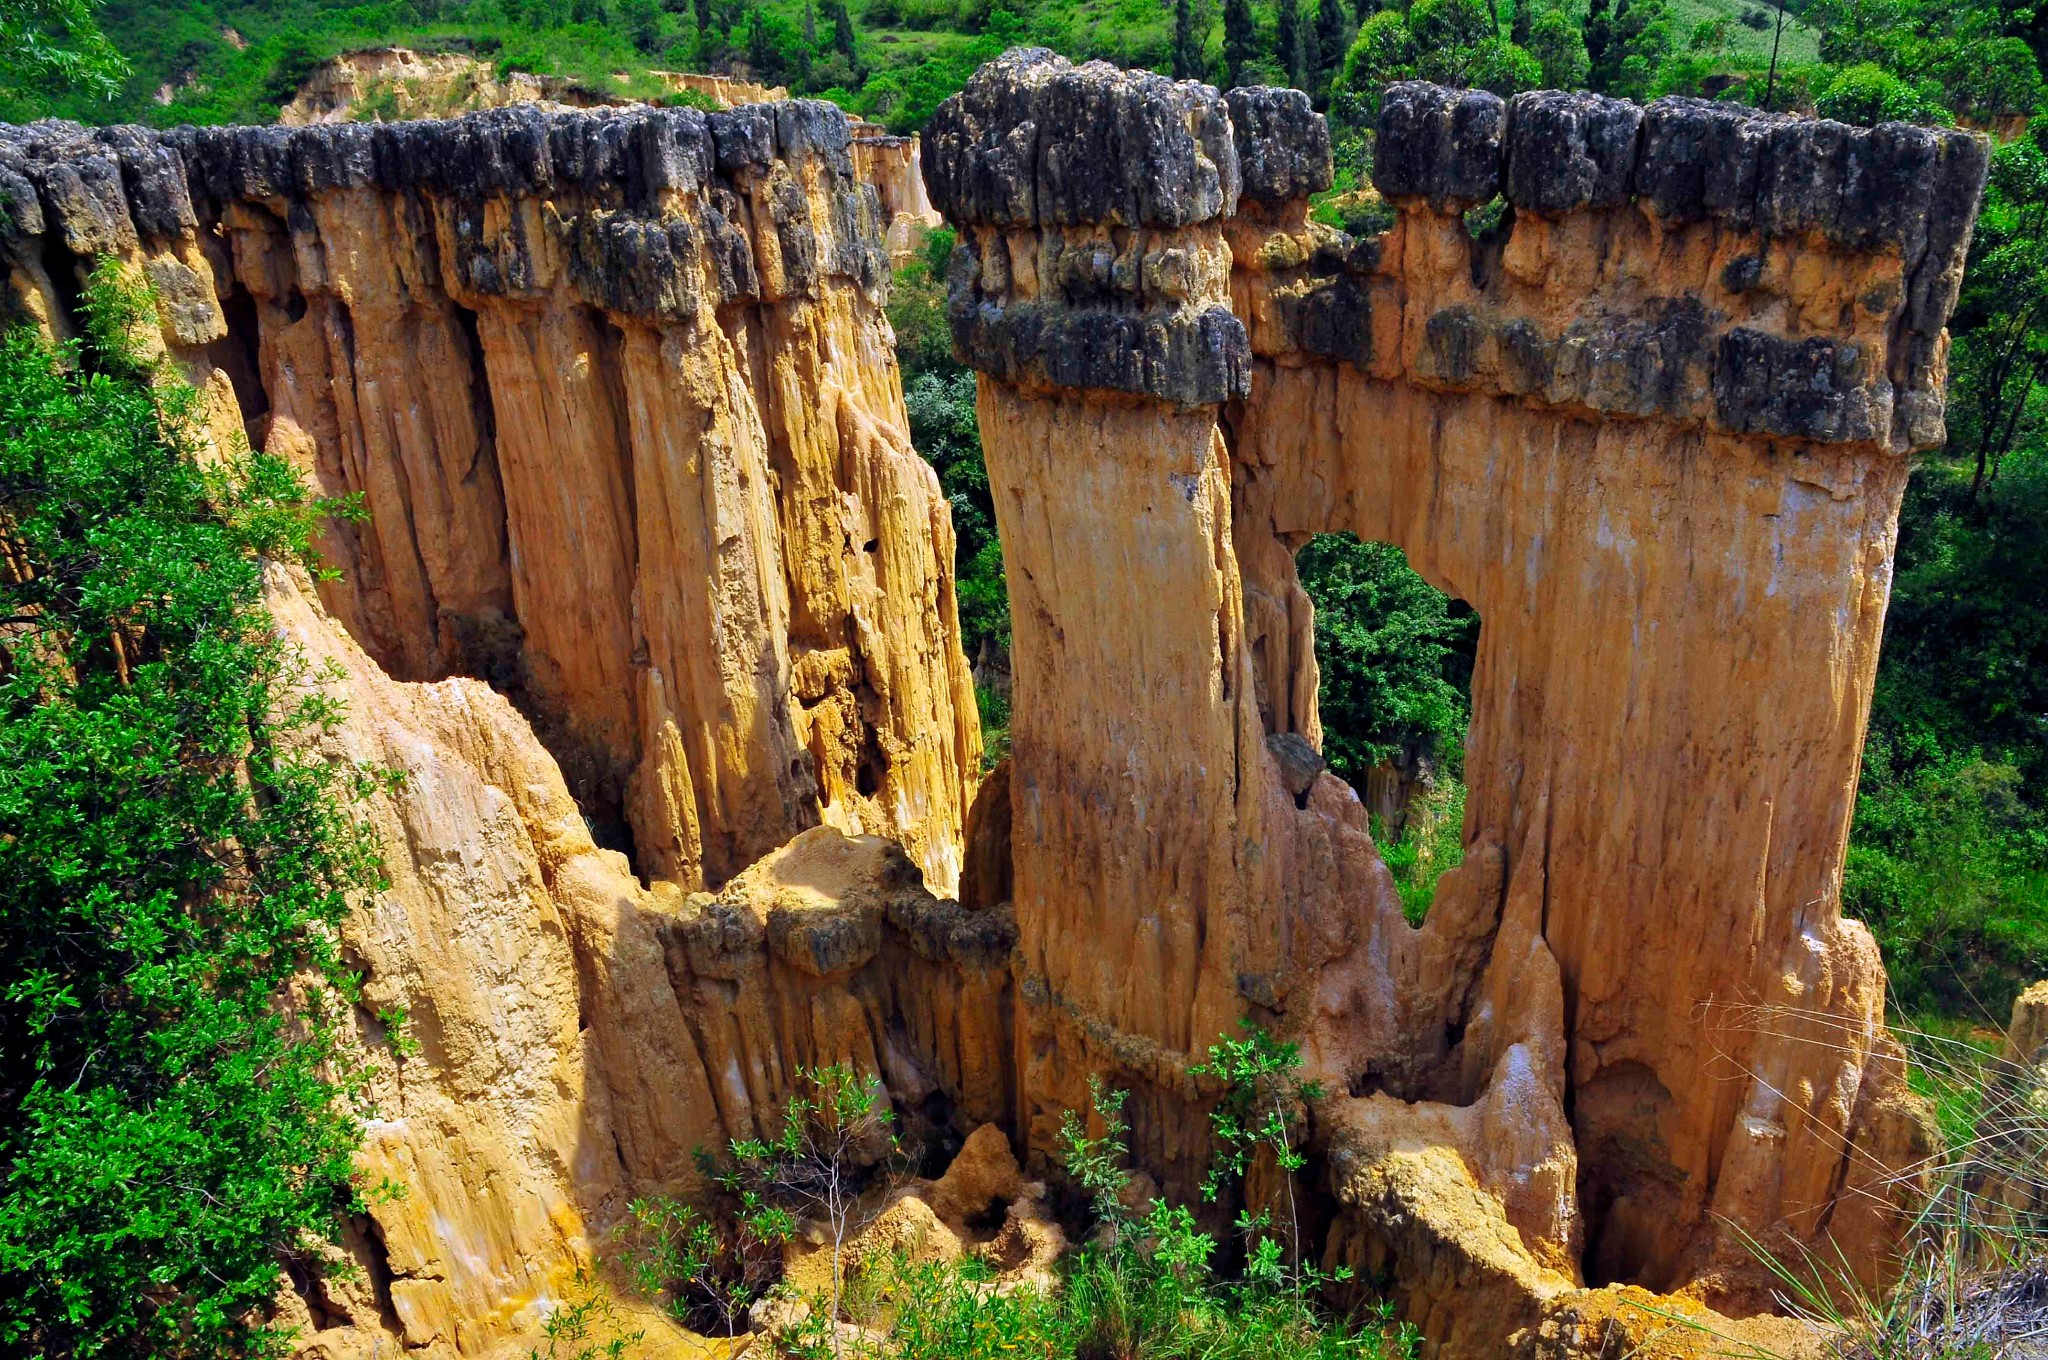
(1651, 427)
(616, 390)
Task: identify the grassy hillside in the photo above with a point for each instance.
(1798, 46)
(212, 61)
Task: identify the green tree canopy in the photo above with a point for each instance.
(52, 45)
(1395, 653)
(173, 864)
(1451, 42)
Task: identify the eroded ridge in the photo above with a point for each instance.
(618, 393)
(1651, 427)
(616, 389)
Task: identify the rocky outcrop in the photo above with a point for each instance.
(390, 83)
(1652, 427)
(617, 394)
(653, 610)
(616, 391)
(894, 166)
(580, 1036)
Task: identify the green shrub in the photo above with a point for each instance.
(1868, 94)
(173, 866)
(1950, 869)
(1430, 844)
(1949, 851)
(586, 1326)
(938, 395)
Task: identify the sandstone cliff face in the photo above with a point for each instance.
(894, 166)
(1652, 429)
(581, 1035)
(618, 395)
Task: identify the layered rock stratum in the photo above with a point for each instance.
(397, 82)
(653, 609)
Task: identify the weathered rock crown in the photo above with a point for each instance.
(1034, 142)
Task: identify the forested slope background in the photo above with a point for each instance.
(1950, 850)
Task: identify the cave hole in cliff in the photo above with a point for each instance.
(479, 381)
(237, 354)
(1395, 657)
(65, 272)
(1630, 1191)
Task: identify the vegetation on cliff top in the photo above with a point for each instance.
(178, 1095)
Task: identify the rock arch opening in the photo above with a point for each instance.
(1394, 660)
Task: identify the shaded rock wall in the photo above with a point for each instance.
(580, 1035)
(1652, 427)
(617, 393)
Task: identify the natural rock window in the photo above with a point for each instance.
(1394, 657)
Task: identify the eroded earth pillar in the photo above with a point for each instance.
(1653, 426)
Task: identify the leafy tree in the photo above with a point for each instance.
(1625, 45)
(1395, 654)
(1240, 39)
(775, 52)
(1095, 1162)
(47, 45)
(939, 396)
(1187, 42)
(1560, 50)
(1332, 38)
(709, 1273)
(642, 20)
(1451, 42)
(1992, 79)
(2000, 360)
(1975, 51)
(844, 41)
(1292, 41)
(1381, 53)
(1263, 1113)
(819, 1163)
(1854, 31)
(1868, 94)
(177, 1100)
(295, 60)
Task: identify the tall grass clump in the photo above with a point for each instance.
(1146, 1283)
(1971, 1278)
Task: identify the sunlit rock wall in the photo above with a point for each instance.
(1653, 427)
(618, 397)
